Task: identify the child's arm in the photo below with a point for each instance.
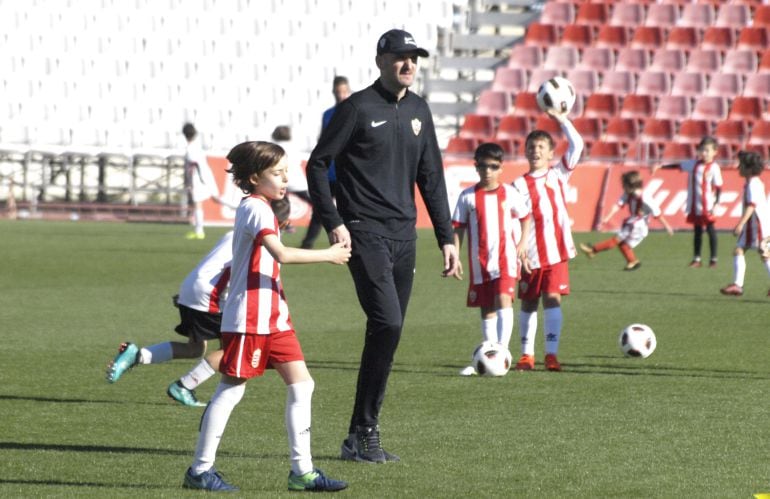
(669, 166)
(609, 215)
(665, 224)
(572, 156)
(459, 234)
(744, 219)
(522, 250)
(336, 253)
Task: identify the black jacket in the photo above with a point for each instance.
(381, 148)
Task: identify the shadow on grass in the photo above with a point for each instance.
(113, 449)
(59, 483)
(715, 296)
(630, 370)
(63, 400)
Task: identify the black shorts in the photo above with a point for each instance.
(197, 325)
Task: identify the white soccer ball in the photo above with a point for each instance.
(492, 359)
(637, 340)
(556, 93)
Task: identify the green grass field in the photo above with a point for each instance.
(690, 421)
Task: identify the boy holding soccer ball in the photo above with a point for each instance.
(550, 243)
(491, 212)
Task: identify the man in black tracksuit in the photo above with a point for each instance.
(383, 142)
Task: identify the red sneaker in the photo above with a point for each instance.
(551, 363)
(695, 264)
(525, 363)
(732, 289)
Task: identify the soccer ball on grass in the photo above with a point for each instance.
(491, 359)
(637, 340)
(556, 93)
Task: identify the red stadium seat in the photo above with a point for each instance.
(653, 83)
(664, 15)
(525, 104)
(637, 106)
(621, 130)
(589, 128)
(657, 130)
(547, 124)
(731, 132)
(704, 61)
(763, 149)
(710, 108)
(540, 76)
(603, 106)
(513, 127)
(585, 81)
(764, 62)
(494, 103)
(740, 61)
(510, 79)
(648, 37)
(477, 126)
(561, 58)
(693, 130)
(725, 84)
(760, 132)
(719, 38)
(597, 58)
(614, 37)
(689, 84)
(755, 38)
(683, 37)
(627, 14)
(697, 15)
(461, 146)
(670, 60)
(618, 82)
(541, 35)
(558, 13)
(630, 59)
(577, 35)
(746, 108)
(606, 150)
(593, 14)
(762, 16)
(508, 146)
(525, 57)
(673, 151)
(757, 85)
(673, 107)
(733, 16)
(644, 150)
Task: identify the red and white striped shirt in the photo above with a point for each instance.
(204, 288)
(704, 179)
(256, 303)
(550, 240)
(639, 207)
(758, 226)
(494, 230)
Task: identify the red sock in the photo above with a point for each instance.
(628, 253)
(605, 245)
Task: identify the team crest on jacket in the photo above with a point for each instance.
(255, 358)
(416, 126)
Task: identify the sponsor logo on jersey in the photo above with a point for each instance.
(416, 126)
(375, 124)
(255, 358)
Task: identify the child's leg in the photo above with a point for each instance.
(712, 232)
(553, 322)
(504, 319)
(739, 267)
(606, 244)
(228, 394)
(488, 324)
(163, 352)
(198, 219)
(299, 395)
(628, 253)
(528, 326)
(202, 371)
(697, 242)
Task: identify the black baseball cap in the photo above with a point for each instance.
(398, 41)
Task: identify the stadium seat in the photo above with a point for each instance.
(725, 84)
(746, 108)
(719, 38)
(558, 13)
(689, 84)
(461, 146)
(561, 58)
(664, 15)
(510, 79)
(734, 16)
(509, 146)
(763, 149)
(693, 130)
(703, 61)
(658, 129)
(673, 107)
(603, 106)
(670, 60)
(606, 150)
(621, 130)
(760, 132)
(525, 104)
(598, 58)
(627, 14)
(653, 83)
(541, 35)
(757, 85)
(740, 61)
(727, 150)
(477, 126)
(764, 62)
(710, 108)
(683, 37)
(513, 127)
(755, 38)
(648, 37)
(585, 81)
(677, 151)
(644, 150)
(618, 82)
(762, 16)
(589, 128)
(539, 76)
(613, 37)
(697, 15)
(526, 57)
(494, 103)
(593, 14)
(731, 132)
(630, 59)
(546, 123)
(577, 35)
(637, 106)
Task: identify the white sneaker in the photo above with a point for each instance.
(468, 371)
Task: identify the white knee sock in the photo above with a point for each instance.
(528, 331)
(504, 326)
(156, 354)
(766, 263)
(552, 329)
(489, 329)
(213, 424)
(739, 267)
(197, 375)
(199, 220)
(298, 415)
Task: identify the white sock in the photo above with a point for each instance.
(739, 267)
(489, 329)
(552, 329)
(528, 331)
(197, 375)
(213, 424)
(298, 415)
(767, 265)
(155, 354)
(504, 326)
(199, 220)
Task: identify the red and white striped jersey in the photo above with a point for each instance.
(205, 287)
(639, 207)
(491, 219)
(256, 303)
(550, 240)
(703, 179)
(758, 226)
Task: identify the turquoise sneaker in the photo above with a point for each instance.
(178, 392)
(208, 480)
(315, 481)
(128, 357)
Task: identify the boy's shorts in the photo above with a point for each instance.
(483, 295)
(248, 355)
(196, 325)
(551, 279)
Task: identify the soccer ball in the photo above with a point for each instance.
(556, 93)
(637, 340)
(491, 359)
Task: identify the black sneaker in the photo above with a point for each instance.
(364, 446)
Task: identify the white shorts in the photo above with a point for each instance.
(633, 231)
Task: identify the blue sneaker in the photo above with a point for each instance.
(184, 396)
(208, 480)
(127, 357)
(315, 481)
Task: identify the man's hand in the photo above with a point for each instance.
(452, 266)
(340, 234)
